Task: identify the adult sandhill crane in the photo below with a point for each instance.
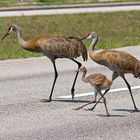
(119, 62)
(99, 82)
(53, 47)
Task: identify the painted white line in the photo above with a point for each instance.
(92, 93)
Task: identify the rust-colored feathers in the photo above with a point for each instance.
(117, 61)
(97, 80)
(53, 47)
(58, 46)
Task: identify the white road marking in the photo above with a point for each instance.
(92, 93)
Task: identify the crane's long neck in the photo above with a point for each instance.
(83, 76)
(21, 41)
(93, 44)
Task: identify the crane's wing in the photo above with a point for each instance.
(68, 47)
(97, 79)
(116, 60)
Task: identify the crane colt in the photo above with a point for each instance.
(99, 82)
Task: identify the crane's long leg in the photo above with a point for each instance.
(91, 102)
(104, 100)
(99, 99)
(114, 76)
(56, 75)
(80, 107)
(72, 89)
(129, 88)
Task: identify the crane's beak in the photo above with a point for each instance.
(83, 38)
(5, 35)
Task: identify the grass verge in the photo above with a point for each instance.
(115, 29)
(4, 3)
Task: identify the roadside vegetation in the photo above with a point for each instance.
(115, 29)
(4, 3)
(50, 2)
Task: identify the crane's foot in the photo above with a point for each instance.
(78, 108)
(72, 93)
(104, 115)
(46, 100)
(89, 109)
(94, 101)
(135, 110)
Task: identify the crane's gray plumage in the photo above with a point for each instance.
(117, 61)
(53, 47)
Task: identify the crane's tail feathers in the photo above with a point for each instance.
(85, 55)
(137, 70)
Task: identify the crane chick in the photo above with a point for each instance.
(99, 82)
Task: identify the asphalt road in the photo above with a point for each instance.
(68, 9)
(23, 116)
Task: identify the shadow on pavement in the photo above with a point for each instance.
(101, 115)
(71, 101)
(127, 110)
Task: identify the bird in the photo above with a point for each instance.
(53, 47)
(99, 82)
(119, 62)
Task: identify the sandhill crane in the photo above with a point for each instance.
(119, 62)
(53, 47)
(99, 82)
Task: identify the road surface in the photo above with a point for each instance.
(72, 9)
(24, 83)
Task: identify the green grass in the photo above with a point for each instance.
(4, 3)
(116, 29)
(51, 2)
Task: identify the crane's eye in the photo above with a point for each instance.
(88, 34)
(10, 29)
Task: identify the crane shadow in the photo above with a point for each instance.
(126, 110)
(111, 116)
(66, 101)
